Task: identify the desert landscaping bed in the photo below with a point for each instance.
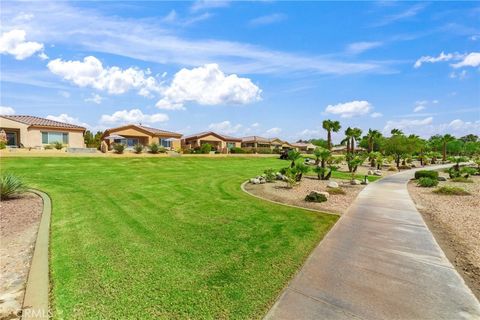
(278, 191)
(455, 223)
(19, 222)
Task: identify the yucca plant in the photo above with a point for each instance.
(10, 186)
(138, 148)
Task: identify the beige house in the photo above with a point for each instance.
(35, 132)
(304, 147)
(133, 134)
(219, 142)
(256, 142)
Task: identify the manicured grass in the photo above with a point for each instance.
(167, 237)
(347, 176)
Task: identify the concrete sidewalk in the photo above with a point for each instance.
(379, 261)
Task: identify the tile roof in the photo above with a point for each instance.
(255, 139)
(205, 133)
(42, 122)
(153, 131)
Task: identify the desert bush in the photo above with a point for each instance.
(10, 186)
(270, 175)
(48, 147)
(206, 148)
(427, 182)
(468, 171)
(315, 197)
(264, 151)
(154, 148)
(290, 177)
(392, 169)
(237, 150)
(449, 190)
(426, 174)
(3, 145)
(118, 148)
(57, 145)
(138, 148)
(336, 191)
(461, 179)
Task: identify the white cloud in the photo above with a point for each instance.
(267, 19)
(207, 85)
(208, 4)
(273, 131)
(148, 40)
(406, 124)
(376, 115)
(91, 73)
(458, 75)
(255, 125)
(419, 108)
(6, 111)
(350, 109)
(13, 42)
(441, 57)
(311, 133)
(64, 93)
(359, 47)
(133, 116)
(410, 12)
(67, 119)
(471, 60)
(95, 98)
(225, 127)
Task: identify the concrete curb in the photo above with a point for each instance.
(242, 186)
(35, 302)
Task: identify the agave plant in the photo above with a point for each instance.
(10, 186)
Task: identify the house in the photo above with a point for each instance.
(256, 142)
(35, 132)
(304, 147)
(133, 134)
(219, 142)
(343, 149)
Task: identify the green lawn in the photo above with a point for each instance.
(167, 237)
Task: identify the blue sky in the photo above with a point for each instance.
(242, 68)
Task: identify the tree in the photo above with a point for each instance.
(293, 156)
(348, 138)
(469, 138)
(330, 126)
(446, 139)
(319, 142)
(356, 134)
(371, 136)
(396, 146)
(92, 141)
(396, 132)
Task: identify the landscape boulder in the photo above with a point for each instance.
(255, 181)
(355, 182)
(332, 184)
(442, 179)
(377, 173)
(370, 172)
(317, 196)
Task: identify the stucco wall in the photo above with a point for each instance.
(9, 124)
(75, 138)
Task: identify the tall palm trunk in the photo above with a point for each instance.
(352, 145)
(348, 146)
(329, 139)
(444, 158)
(370, 145)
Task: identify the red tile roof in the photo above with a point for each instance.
(206, 133)
(42, 122)
(152, 131)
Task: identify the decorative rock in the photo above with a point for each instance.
(255, 181)
(262, 181)
(442, 179)
(370, 172)
(377, 173)
(355, 182)
(332, 184)
(326, 194)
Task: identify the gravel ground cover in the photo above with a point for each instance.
(455, 222)
(19, 220)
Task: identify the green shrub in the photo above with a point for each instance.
(138, 148)
(461, 179)
(427, 182)
(270, 175)
(237, 150)
(468, 171)
(3, 145)
(48, 147)
(336, 191)
(206, 148)
(315, 197)
(154, 148)
(264, 150)
(426, 174)
(118, 148)
(57, 145)
(10, 186)
(448, 190)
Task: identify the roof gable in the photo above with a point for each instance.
(42, 122)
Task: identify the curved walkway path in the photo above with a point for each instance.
(379, 261)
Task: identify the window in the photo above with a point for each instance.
(52, 137)
(230, 145)
(167, 143)
(11, 138)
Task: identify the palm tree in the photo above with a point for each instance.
(356, 134)
(293, 156)
(372, 135)
(348, 138)
(330, 126)
(396, 132)
(446, 139)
